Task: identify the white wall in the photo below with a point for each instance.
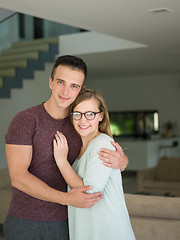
(161, 92)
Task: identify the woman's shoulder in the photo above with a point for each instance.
(102, 141)
(103, 137)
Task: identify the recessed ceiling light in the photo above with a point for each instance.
(159, 10)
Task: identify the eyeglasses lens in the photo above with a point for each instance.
(89, 115)
(76, 116)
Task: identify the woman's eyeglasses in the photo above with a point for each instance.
(88, 115)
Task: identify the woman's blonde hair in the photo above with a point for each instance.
(86, 94)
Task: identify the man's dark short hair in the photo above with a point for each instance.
(72, 62)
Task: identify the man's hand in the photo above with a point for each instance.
(114, 159)
(78, 197)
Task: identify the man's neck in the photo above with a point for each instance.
(54, 111)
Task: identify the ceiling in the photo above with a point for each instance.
(4, 13)
(126, 19)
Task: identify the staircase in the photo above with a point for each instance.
(22, 60)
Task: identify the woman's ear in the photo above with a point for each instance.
(101, 116)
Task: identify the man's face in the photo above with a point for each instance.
(65, 86)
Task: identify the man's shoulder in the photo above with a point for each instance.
(22, 127)
(35, 110)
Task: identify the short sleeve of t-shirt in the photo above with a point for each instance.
(21, 129)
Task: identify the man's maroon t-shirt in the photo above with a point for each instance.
(37, 128)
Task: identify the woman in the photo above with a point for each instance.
(108, 219)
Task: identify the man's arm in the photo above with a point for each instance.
(114, 159)
(19, 158)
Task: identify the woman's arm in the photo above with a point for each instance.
(96, 173)
(60, 155)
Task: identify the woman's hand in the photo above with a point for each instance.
(60, 155)
(60, 148)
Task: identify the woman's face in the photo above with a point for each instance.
(85, 127)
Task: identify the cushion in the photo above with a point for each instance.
(162, 185)
(153, 206)
(168, 169)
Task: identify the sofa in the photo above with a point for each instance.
(162, 179)
(154, 217)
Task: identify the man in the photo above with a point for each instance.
(38, 209)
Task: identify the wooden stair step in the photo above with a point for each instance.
(35, 42)
(9, 72)
(18, 63)
(1, 82)
(28, 55)
(40, 47)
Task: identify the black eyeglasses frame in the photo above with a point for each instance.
(81, 114)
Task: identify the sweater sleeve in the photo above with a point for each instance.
(96, 173)
(21, 129)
